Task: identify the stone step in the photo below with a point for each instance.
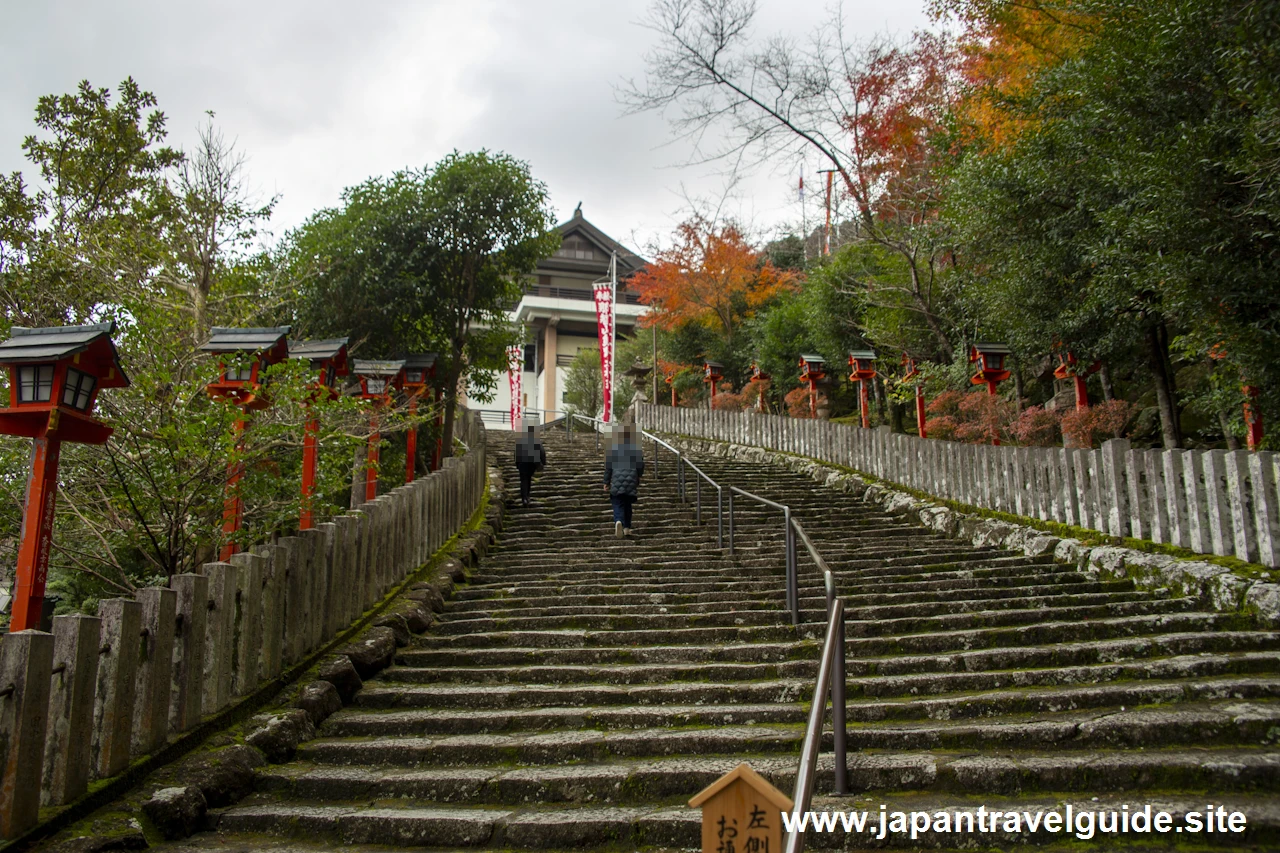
(364, 723)
(554, 747)
(1042, 633)
(529, 828)
(581, 639)
(1056, 696)
(625, 781)
(511, 657)
(621, 622)
(606, 674)
(1069, 654)
(1207, 724)
(492, 696)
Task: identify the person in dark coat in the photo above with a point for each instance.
(530, 457)
(623, 468)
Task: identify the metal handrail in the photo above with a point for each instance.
(788, 548)
(831, 664)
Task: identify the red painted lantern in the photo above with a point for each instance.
(377, 381)
(244, 356)
(329, 361)
(712, 372)
(419, 370)
(863, 371)
(55, 375)
(1067, 369)
(991, 370)
(812, 370)
(991, 361)
(760, 377)
(912, 372)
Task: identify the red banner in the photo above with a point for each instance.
(603, 292)
(515, 376)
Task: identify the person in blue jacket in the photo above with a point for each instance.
(623, 468)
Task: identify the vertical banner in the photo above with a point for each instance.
(604, 325)
(515, 377)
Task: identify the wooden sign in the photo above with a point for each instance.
(741, 813)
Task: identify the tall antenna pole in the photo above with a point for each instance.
(804, 220)
(826, 246)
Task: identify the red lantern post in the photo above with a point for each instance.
(863, 364)
(418, 370)
(670, 379)
(812, 371)
(991, 369)
(378, 379)
(712, 372)
(912, 372)
(54, 378)
(329, 360)
(1067, 369)
(244, 356)
(1252, 416)
(762, 379)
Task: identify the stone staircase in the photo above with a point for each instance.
(984, 676)
(581, 688)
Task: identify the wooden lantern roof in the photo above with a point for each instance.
(90, 346)
(811, 358)
(322, 353)
(271, 341)
(862, 355)
(979, 350)
(370, 367)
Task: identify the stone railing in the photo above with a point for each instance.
(80, 704)
(1209, 501)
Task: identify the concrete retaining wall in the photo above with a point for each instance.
(80, 704)
(1210, 501)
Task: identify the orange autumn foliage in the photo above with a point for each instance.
(1007, 45)
(706, 278)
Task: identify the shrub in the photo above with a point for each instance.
(1083, 427)
(1037, 427)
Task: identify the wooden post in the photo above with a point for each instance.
(249, 618)
(741, 811)
(309, 455)
(36, 537)
(220, 625)
(233, 505)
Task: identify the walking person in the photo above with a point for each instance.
(623, 467)
(530, 457)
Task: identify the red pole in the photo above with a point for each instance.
(673, 396)
(411, 442)
(233, 504)
(1082, 392)
(920, 411)
(309, 448)
(371, 462)
(713, 393)
(813, 399)
(991, 392)
(826, 250)
(1252, 417)
(864, 403)
(36, 537)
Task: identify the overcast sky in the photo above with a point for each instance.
(321, 95)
